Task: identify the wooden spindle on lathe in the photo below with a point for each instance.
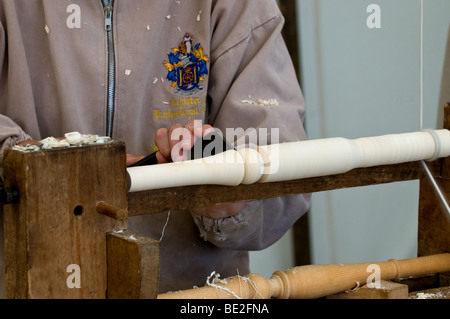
(314, 281)
(290, 161)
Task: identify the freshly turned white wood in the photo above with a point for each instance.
(226, 168)
(305, 159)
(330, 156)
(295, 160)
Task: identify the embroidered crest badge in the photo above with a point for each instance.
(187, 66)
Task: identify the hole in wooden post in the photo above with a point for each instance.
(78, 211)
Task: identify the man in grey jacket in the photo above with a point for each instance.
(130, 69)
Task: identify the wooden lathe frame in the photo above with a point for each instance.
(73, 207)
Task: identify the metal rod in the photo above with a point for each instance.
(436, 187)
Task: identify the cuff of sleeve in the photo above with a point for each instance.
(220, 230)
(12, 135)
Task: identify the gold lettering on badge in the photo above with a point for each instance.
(187, 106)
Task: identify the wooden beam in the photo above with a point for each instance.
(162, 200)
(434, 221)
(387, 290)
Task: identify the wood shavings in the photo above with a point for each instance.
(353, 289)
(199, 16)
(87, 139)
(216, 280)
(27, 148)
(164, 228)
(423, 295)
(435, 293)
(263, 102)
(248, 281)
(269, 102)
(132, 237)
(217, 283)
(51, 142)
(72, 139)
(126, 235)
(155, 80)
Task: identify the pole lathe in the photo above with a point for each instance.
(73, 211)
(313, 281)
(294, 160)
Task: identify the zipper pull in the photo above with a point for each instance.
(108, 18)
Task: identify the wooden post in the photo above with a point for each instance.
(434, 220)
(387, 290)
(133, 266)
(55, 240)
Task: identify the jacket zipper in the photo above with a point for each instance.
(108, 6)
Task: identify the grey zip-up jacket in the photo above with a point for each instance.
(127, 68)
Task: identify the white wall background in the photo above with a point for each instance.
(359, 82)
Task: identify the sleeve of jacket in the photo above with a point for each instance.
(10, 133)
(249, 64)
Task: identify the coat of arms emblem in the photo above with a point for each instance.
(187, 66)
